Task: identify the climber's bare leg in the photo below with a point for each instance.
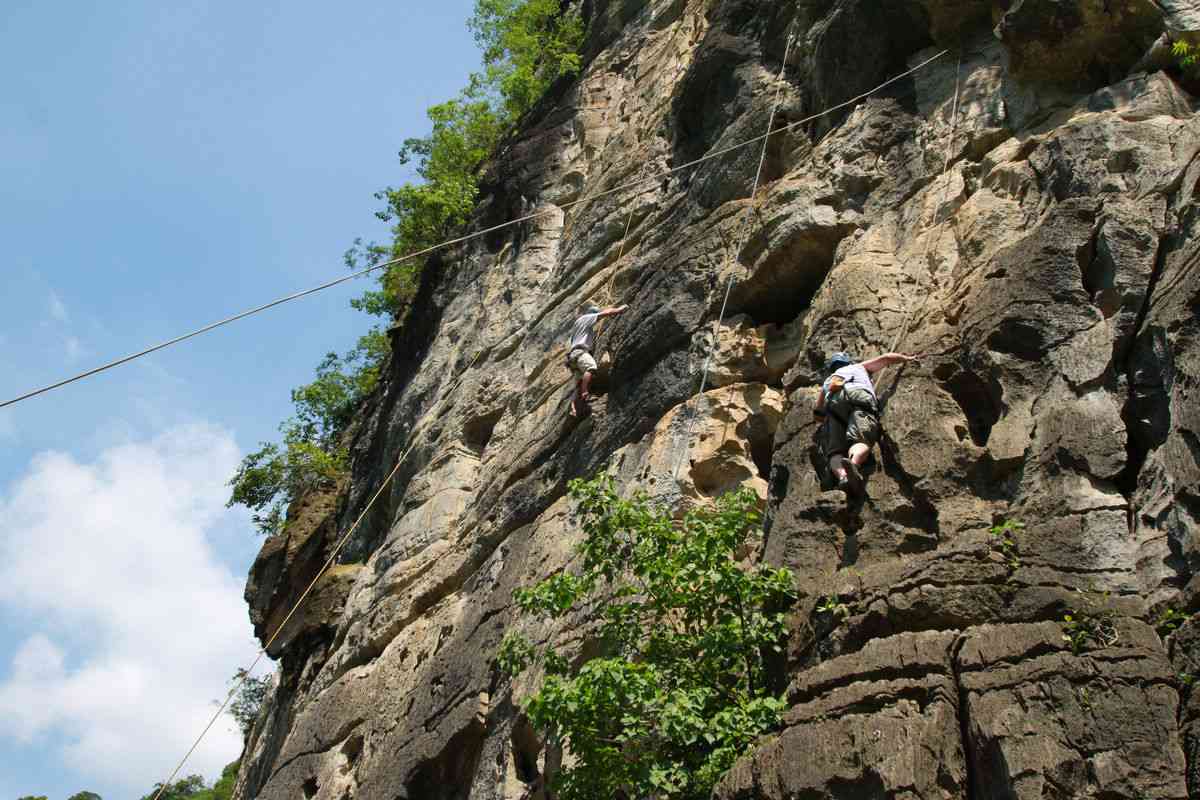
(836, 466)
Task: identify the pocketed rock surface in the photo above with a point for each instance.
(1022, 211)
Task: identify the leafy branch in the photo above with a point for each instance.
(681, 689)
(1090, 627)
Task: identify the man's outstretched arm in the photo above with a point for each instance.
(887, 359)
(611, 312)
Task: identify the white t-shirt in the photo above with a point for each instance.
(855, 376)
(583, 332)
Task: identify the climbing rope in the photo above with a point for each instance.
(415, 435)
(608, 292)
(245, 674)
(915, 314)
(459, 240)
(745, 229)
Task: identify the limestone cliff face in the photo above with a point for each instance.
(1051, 273)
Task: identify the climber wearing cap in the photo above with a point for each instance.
(848, 405)
(579, 354)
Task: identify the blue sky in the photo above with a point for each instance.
(164, 165)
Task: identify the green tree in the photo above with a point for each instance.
(223, 788)
(311, 454)
(184, 789)
(422, 214)
(84, 796)
(32, 797)
(681, 690)
(527, 45)
(247, 704)
(193, 787)
(1188, 58)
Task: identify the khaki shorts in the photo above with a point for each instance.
(581, 361)
(863, 428)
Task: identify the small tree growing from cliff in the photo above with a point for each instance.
(310, 455)
(247, 704)
(682, 689)
(1188, 58)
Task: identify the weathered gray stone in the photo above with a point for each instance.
(1025, 217)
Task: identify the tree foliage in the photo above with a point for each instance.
(527, 45)
(193, 787)
(183, 789)
(248, 702)
(84, 796)
(422, 214)
(682, 689)
(311, 453)
(1188, 58)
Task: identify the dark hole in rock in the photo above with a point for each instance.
(309, 787)
(447, 776)
(1019, 338)
(762, 442)
(780, 291)
(704, 101)
(353, 748)
(478, 431)
(789, 266)
(601, 380)
(525, 749)
(780, 478)
(497, 210)
(980, 403)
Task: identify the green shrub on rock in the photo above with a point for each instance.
(311, 454)
(681, 689)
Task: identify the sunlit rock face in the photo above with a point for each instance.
(1022, 211)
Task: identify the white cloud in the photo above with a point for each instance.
(57, 309)
(74, 348)
(140, 625)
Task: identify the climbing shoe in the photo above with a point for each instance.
(854, 481)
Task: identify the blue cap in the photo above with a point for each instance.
(839, 360)
(592, 308)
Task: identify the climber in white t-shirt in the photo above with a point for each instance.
(850, 411)
(579, 354)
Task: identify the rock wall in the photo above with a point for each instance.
(1023, 211)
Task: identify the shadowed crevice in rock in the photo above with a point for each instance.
(981, 400)
(790, 258)
(477, 432)
(970, 751)
(920, 514)
(441, 777)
